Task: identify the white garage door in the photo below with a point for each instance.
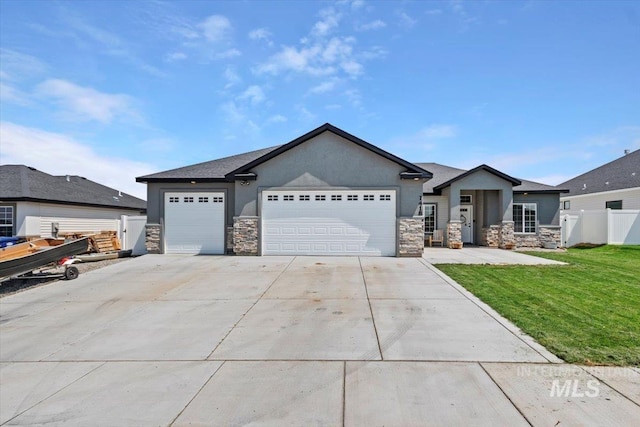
(329, 222)
(194, 223)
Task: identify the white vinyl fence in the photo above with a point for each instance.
(612, 227)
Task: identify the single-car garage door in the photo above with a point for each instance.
(194, 222)
(340, 222)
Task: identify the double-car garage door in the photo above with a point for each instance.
(314, 222)
(340, 222)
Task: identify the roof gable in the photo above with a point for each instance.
(23, 183)
(483, 167)
(444, 176)
(618, 174)
(413, 171)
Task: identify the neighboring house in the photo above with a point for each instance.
(615, 185)
(31, 201)
(331, 193)
(484, 206)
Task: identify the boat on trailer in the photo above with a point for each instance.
(26, 257)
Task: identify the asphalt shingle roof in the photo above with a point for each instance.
(213, 170)
(442, 174)
(619, 174)
(20, 182)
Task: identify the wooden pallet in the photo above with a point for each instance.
(105, 242)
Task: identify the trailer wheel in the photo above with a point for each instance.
(71, 273)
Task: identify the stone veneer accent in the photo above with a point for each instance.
(152, 238)
(454, 234)
(245, 235)
(549, 234)
(507, 236)
(545, 234)
(410, 237)
(491, 236)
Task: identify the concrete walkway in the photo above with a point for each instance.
(478, 255)
(180, 340)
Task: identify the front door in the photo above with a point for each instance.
(466, 216)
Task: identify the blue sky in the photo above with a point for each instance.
(115, 89)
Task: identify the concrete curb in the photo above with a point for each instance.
(552, 358)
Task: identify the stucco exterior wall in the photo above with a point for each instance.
(548, 206)
(155, 197)
(482, 180)
(597, 201)
(328, 161)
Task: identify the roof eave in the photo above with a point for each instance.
(145, 179)
(66, 202)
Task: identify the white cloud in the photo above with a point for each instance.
(175, 56)
(37, 148)
(13, 95)
(373, 25)
(15, 65)
(404, 20)
(278, 118)
(324, 87)
(227, 54)
(261, 34)
(330, 18)
(304, 113)
(232, 77)
(437, 131)
(433, 12)
(216, 28)
(80, 103)
(253, 94)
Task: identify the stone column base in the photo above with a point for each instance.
(491, 236)
(454, 234)
(152, 238)
(507, 236)
(245, 235)
(410, 237)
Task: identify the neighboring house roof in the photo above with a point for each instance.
(619, 174)
(239, 166)
(444, 176)
(24, 183)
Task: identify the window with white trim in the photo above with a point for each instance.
(429, 212)
(188, 199)
(174, 199)
(303, 197)
(272, 198)
(466, 199)
(203, 200)
(525, 216)
(369, 197)
(385, 197)
(217, 199)
(320, 197)
(288, 197)
(6, 221)
(352, 197)
(336, 197)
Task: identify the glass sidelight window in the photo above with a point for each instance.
(525, 216)
(429, 211)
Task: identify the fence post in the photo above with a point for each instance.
(609, 226)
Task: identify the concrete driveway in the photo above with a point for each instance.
(191, 340)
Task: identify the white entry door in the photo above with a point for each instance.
(194, 222)
(340, 222)
(466, 216)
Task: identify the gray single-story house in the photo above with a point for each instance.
(331, 193)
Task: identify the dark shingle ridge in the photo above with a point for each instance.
(20, 182)
(619, 174)
(212, 169)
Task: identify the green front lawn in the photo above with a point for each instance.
(587, 312)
